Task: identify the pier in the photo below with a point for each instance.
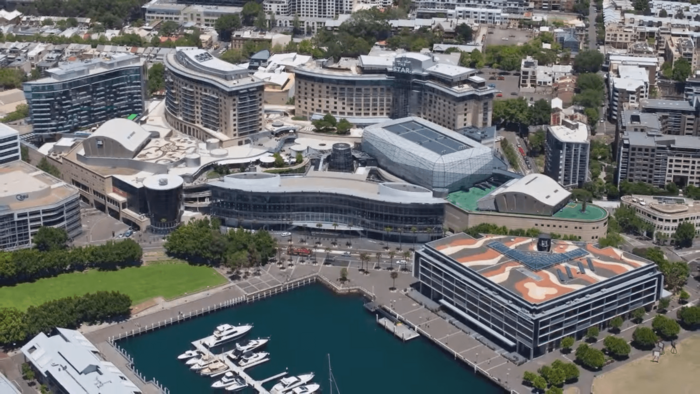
(238, 370)
(400, 330)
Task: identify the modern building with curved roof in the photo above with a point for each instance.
(533, 194)
(209, 98)
(328, 200)
(429, 155)
(116, 138)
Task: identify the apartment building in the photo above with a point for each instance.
(620, 36)
(692, 88)
(509, 6)
(659, 159)
(677, 117)
(9, 144)
(681, 48)
(209, 98)
(528, 74)
(310, 8)
(77, 95)
(650, 64)
(664, 213)
(489, 16)
(371, 89)
(240, 37)
(567, 153)
(626, 89)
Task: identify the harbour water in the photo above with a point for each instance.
(306, 325)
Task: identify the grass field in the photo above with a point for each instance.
(140, 283)
(677, 373)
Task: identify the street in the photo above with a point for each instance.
(592, 34)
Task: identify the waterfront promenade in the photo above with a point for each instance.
(459, 344)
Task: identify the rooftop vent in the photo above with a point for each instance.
(163, 181)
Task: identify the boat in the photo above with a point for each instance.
(226, 332)
(213, 368)
(189, 354)
(203, 363)
(228, 379)
(195, 360)
(307, 389)
(238, 386)
(250, 358)
(251, 344)
(291, 382)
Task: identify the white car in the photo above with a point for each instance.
(346, 253)
(286, 234)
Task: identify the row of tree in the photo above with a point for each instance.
(488, 228)
(111, 13)
(517, 112)
(17, 326)
(592, 94)
(554, 375)
(202, 242)
(675, 273)
(27, 265)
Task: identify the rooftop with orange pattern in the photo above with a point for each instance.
(536, 286)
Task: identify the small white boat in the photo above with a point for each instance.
(203, 363)
(251, 358)
(215, 367)
(226, 333)
(188, 354)
(308, 389)
(251, 344)
(238, 386)
(195, 360)
(291, 382)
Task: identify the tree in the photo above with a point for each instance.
(13, 329)
(50, 238)
(299, 158)
(644, 337)
(617, 347)
(343, 274)
(567, 343)
(168, 28)
(394, 275)
(663, 13)
(279, 161)
(343, 127)
(675, 275)
(554, 390)
(27, 372)
(50, 169)
(689, 316)
(588, 61)
(638, 314)
(681, 70)
(540, 112)
(226, 24)
(464, 33)
(593, 116)
(554, 376)
(250, 11)
(684, 234)
(616, 323)
(667, 328)
(539, 383)
(296, 25)
(156, 78)
(684, 296)
(664, 303)
(536, 141)
(364, 258)
(592, 333)
(529, 377)
(590, 81)
(233, 56)
(261, 20)
(612, 239)
(590, 357)
(570, 370)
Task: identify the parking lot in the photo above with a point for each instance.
(505, 36)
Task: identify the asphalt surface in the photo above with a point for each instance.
(592, 35)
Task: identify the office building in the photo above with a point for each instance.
(81, 94)
(529, 293)
(9, 144)
(534, 201)
(665, 213)
(210, 98)
(69, 363)
(566, 153)
(658, 159)
(373, 88)
(338, 201)
(428, 155)
(510, 6)
(692, 88)
(677, 117)
(6, 386)
(32, 199)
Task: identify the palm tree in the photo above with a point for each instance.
(387, 230)
(392, 254)
(429, 230)
(393, 275)
(406, 256)
(400, 230)
(379, 256)
(328, 251)
(364, 257)
(414, 230)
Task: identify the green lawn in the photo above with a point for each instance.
(140, 283)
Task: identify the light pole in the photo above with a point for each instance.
(476, 361)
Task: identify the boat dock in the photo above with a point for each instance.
(238, 370)
(400, 330)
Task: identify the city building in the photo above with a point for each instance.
(240, 37)
(528, 74)
(69, 363)
(489, 16)
(9, 144)
(692, 88)
(650, 64)
(534, 201)
(32, 199)
(566, 153)
(527, 294)
(677, 117)
(6, 386)
(384, 85)
(620, 36)
(568, 39)
(664, 213)
(636, 121)
(658, 159)
(681, 48)
(77, 95)
(628, 87)
(332, 201)
(429, 155)
(511, 6)
(209, 98)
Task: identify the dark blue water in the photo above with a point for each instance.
(305, 326)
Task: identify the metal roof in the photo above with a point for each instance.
(126, 132)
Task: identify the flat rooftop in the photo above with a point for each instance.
(663, 205)
(508, 262)
(467, 199)
(572, 210)
(577, 132)
(23, 186)
(427, 137)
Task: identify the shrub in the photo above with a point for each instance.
(667, 328)
(638, 314)
(684, 296)
(616, 322)
(567, 343)
(690, 316)
(27, 372)
(644, 337)
(529, 377)
(590, 357)
(539, 383)
(617, 347)
(664, 303)
(592, 332)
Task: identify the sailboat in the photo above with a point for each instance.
(331, 379)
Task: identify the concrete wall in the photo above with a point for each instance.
(457, 219)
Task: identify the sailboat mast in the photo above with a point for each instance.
(330, 374)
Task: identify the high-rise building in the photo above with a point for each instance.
(82, 94)
(209, 98)
(566, 153)
(9, 144)
(677, 117)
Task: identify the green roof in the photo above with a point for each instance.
(573, 211)
(132, 116)
(467, 200)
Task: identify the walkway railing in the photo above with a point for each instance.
(136, 372)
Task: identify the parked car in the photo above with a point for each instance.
(286, 234)
(346, 253)
(128, 233)
(499, 95)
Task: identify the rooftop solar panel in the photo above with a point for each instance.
(426, 137)
(590, 264)
(568, 272)
(560, 274)
(536, 261)
(581, 270)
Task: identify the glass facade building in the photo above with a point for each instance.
(429, 155)
(82, 94)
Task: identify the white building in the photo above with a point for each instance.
(567, 153)
(480, 15)
(665, 213)
(626, 90)
(73, 365)
(9, 144)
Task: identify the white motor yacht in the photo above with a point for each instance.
(308, 389)
(215, 367)
(238, 386)
(229, 379)
(251, 344)
(250, 358)
(195, 360)
(203, 363)
(226, 332)
(291, 382)
(188, 354)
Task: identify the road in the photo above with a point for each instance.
(514, 141)
(592, 35)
